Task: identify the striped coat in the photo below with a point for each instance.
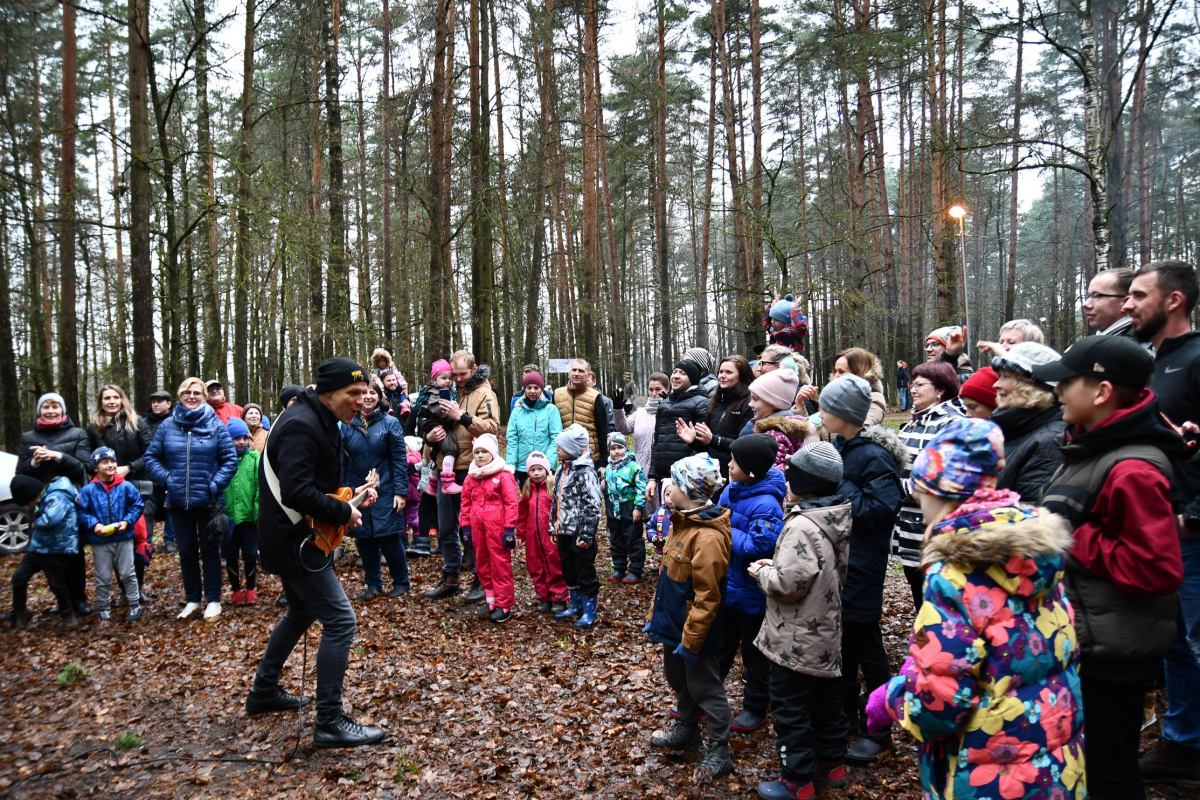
(915, 435)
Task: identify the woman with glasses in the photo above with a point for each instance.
(192, 455)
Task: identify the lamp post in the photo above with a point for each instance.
(959, 213)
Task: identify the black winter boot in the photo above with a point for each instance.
(344, 732)
(683, 736)
(476, 594)
(446, 587)
(717, 761)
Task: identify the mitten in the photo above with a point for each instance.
(465, 534)
(217, 525)
(509, 539)
(878, 719)
(647, 628)
(688, 656)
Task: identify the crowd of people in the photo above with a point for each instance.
(1045, 510)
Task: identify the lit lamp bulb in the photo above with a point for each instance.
(957, 211)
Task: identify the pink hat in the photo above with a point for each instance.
(537, 459)
(487, 442)
(439, 366)
(777, 388)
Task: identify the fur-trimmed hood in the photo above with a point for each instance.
(381, 354)
(796, 428)
(889, 440)
(480, 376)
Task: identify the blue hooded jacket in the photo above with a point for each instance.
(104, 505)
(532, 429)
(192, 455)
(756, 515)
(55, 526)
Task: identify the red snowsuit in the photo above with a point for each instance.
(541, 553)
(489, 506)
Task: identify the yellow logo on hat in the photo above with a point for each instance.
(357, 375)
(1097, 367)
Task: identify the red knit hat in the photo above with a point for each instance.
(980, 387)
(533, 379)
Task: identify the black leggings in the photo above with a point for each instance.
(243, 542)
(916, 582)
(579, 566)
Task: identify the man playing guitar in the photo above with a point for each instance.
(301, 467)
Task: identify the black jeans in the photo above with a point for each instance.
(810, 723)
(862, 647)
(578, 566)
(738, 631)
(1112, 717)
(312, 597)
(377, 549)
(160, 512)
(698, 689)
(916, 584)
(53, 565)
(196, 547)
(75, 574)
(626, 546)
(243, 543)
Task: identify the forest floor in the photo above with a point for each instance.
(532, 708)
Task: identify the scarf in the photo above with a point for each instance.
(985, 508)
(63, 422)
(493, 467)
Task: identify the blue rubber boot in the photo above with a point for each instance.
(588, 618)
(573, 610)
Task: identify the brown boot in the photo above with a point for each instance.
(1172, 763)
(446, 587)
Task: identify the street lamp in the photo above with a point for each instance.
(959, 213)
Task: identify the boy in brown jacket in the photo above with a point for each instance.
(688, 606)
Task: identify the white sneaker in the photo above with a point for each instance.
(188, 610)
(211, 610)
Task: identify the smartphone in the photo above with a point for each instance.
(445, 394)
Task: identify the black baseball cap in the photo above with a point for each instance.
(1116, 359)
(160, 394)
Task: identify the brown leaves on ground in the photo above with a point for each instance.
(531, 708)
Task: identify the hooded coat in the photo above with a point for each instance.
(377, 443)
(578, 502)
(689, 599)
(802, 630)
(532, 429)
(104, 504)
(789, 431)
(64, 438)
(481, 409)
(991, 686)
(55, 520)
(241, 498)
(1031, 454)
(193, 456)
(690, 405)
(756, 520)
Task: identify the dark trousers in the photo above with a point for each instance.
(738, 631)
(449, 506)
(75, 574)
(626, 546)
(160, 512)
(810, 723)
(521, 477)
(699, 690)
(196, 547)
(1112, 718)
(862, 648)
(244, 543)
(312, 597)
(427, 514)
(916, 583)
(578, 566)
(53, 566)
(374, 551)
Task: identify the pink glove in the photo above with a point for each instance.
(878, 720)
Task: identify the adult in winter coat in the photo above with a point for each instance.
(579, 403)
(224, 409)
(192, 455)
(54, 449)
(374, 440)
(1031, 418)
(991, 688)
(728, 411)
(935, 390)
(116, 425)
(255, 419)
(866, 365)
(903, 379)
(687, 404)
(771, 397)
(641, 424)
(533, 426)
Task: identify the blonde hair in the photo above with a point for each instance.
(527, 489)
(463, 357)
(1028, 328)
(188, 382)
(101, 418)
(1027, 394)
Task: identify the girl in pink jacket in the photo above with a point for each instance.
(489, 520)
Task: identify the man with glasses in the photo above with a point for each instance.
(1102, 305)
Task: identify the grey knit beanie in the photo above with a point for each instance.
(815, 469)
(847, 398)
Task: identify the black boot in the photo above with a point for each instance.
(717, 761)
(544, 607)
(344, 732)
(282, 602)
(447, 587)
(476, 594)
(370, 594)
(682, 736)
(420, 547)
(281, 701)
(84, 609)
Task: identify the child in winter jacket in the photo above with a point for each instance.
(687, 614)
(533, 528)
(786, 324)
(241, 505)
(109, 508)
(624, 502)
(801, 634)
(428, 414)
(755, 499)
(658, 527)
(412, 512)
(54, 538)
(575, 517)
(489, 520)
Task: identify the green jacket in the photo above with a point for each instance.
(241, 498)
(624, 488)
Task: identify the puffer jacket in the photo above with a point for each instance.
(377, 443)
(802, 630)
(481, 413)
(577, 504)
(756, 517)
(241, 498)
(55, 520)
(417, 423)
(915, 435)
(192, 455)
(588, 409)
(690, 405)
(726, 418)
(689, 601)
(871, 465)
(64, 438)
(991, 686)
(532, 429)
(489, 503)
(101, 504)
(790, 431)
(1031, 454)
(624, 488)
(129, 445)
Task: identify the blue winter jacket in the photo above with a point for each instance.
(100, 505)
(378, 444)
(55, 525)
(532, 429)
(756, 515)
(193, 456)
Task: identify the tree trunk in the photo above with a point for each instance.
(241, 277)
(482, 267)
(337, 302)
(145, 364)
(68, 346)
(385, 150)
(1010, 291)
(661, 243)
(438, 341)
(214, 353)
(1094, 140)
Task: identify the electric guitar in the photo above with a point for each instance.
(326, 536)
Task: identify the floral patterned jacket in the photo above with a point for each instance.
(991, 687)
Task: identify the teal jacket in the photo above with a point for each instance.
(532, 429)
(624, 488)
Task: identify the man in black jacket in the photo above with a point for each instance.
(300, 468)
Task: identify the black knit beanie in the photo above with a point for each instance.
(338, 372)
(755, 454)
(25, 490)
(692, 369)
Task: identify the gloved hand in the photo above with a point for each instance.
(464, 533)
(647, 628)
(217, 525)
(688, 656)
(878, 719)
(509, 539)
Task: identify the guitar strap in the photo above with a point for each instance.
(273, 482)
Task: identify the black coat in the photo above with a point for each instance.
(305, 450)
(726, 421)
(1031, 454)
(152, 421)
(691, 405)
(129, 445)
(65, 438)
(1176, 384)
